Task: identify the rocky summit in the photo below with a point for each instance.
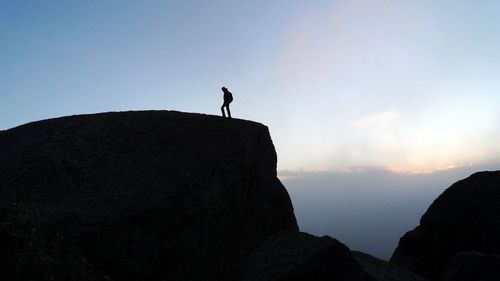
(466, 217)
(153, 195)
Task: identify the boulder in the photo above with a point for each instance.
(298, 256)
(465, 217)
(381, 270)
(472, 266)
(151, 195)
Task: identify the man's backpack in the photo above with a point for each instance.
(228, 97)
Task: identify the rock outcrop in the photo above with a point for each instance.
(381, 270)
(465, 217)
(153, 195)
(472, 266)
(303, 257)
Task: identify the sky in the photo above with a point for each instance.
(405, 86)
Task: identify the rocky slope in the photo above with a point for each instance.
(465, 217)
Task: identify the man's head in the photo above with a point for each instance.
(224, 89)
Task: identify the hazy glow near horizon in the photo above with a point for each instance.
(410, 86)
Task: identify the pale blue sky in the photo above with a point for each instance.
(412, 86)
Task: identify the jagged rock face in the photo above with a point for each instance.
(465, 217)
(298, 256)
(153, 195)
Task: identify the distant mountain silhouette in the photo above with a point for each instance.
(157, 195)
(465, 217)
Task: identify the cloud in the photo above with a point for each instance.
(367, 201)
(377, 118)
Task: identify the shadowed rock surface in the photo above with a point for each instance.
(472, 266)
(465, 217)
(384, 271)
(303, 257)
(153, 195)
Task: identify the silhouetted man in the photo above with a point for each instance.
(228, 98)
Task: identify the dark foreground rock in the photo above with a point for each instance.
(472, 266)
(465, 217)
(381, 270)
(137, 196)
(302, 257)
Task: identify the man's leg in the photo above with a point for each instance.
(228, 111)
(222, 109)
